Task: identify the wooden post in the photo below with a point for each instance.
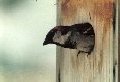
(100, 66)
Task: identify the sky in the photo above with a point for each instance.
(23, 27)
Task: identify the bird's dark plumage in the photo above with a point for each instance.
(77, 36)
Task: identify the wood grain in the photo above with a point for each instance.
(99, 66)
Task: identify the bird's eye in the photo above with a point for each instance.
(52, 31)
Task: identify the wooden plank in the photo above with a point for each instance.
(100, 65)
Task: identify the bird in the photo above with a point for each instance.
(79, 36)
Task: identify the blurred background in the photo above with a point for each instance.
(23, 27)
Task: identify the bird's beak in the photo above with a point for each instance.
(44, 43)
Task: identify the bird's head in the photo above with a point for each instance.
(57, 36)
(50, 36)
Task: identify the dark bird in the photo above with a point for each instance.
(77, 36)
